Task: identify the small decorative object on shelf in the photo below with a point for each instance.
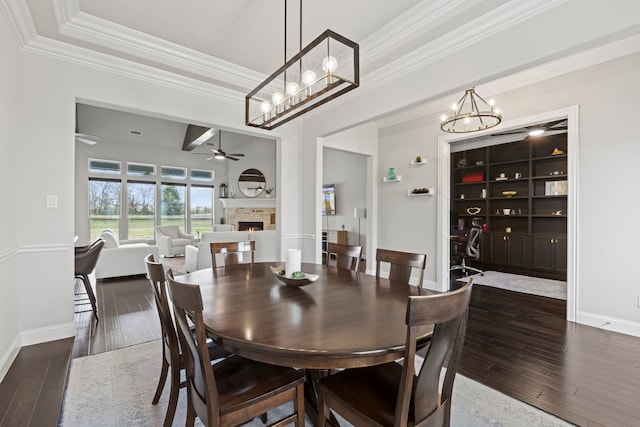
(474, 210)
(556, 152)
(392, 174)
(421, 192)
(419, 160)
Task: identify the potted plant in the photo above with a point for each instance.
(268, 190)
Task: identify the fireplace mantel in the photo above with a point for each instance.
(248, 203)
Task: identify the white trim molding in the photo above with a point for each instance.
(9, 356)
(48, 333)
(609, 323)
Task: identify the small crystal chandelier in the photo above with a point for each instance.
(471, 114)
(325, 69)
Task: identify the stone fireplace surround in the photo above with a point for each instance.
(255, 210)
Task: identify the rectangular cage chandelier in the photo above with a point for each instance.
(325, 69)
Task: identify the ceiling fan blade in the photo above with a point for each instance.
(209, 158)
(232, 158)
(87, 138)
(236, 154)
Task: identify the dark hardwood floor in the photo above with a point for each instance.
(517, 344)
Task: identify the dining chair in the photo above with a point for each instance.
(85, 260)
(232, 252)
(347, 257)
(172, 358)
(234, 390)
(392, 394)
(401, 264)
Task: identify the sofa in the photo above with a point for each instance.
(199, 257)
(118, 259)
(171, 240)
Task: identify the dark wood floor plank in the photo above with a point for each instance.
(31, 392)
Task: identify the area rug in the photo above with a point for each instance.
(176, 264)
(514, 282)
(116, 388)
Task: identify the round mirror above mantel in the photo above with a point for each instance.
(251, 182)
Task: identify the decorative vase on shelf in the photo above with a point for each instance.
(392, 174)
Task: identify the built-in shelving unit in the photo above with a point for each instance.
(514, 224)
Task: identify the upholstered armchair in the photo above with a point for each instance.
(171, 241)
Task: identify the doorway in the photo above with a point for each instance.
(449, 144)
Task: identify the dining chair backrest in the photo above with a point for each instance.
(401, 264)
(347, 257)
(156, 276)
(232, 252)
(448, 313)
(201, 383)
(392, 395)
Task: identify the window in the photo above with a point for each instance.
(201, 175)
(104, 166)
(139, 169)
(201, 209)
(175, 173)
(173, 205)
(141, 197)
(104, 206)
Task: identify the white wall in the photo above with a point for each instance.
(10, 105)
(409, 223)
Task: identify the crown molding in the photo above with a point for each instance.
(88, 28)
(468, 34)
(405, 27)
(100, 61)
(19, 18)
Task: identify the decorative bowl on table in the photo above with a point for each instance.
(296, 279)
(509, 193)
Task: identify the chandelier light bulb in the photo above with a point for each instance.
(308, 77)
(292, 88)
(492, 102)
(265, 106)
(329, 64)
(497, 110)
(443, 117)
(454, 107)
(277, 98)
(467, 120)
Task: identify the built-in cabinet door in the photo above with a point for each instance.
(550, 253)
(508, 248)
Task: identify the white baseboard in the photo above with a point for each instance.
(9, 356)
(609, 323)
(49, 333)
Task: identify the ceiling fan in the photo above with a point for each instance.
(219, 153)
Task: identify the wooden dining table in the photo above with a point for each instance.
(344, 319)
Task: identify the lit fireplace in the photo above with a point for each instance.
(250, 225)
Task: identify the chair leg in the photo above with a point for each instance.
(92, 296)
(161, 381)
(323, 410)
(191, 413)
(173, 396)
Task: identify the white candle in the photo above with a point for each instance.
(294, 260)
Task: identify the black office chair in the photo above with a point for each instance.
(471, 250)
(86, 258)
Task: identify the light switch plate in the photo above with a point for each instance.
(52, 201)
